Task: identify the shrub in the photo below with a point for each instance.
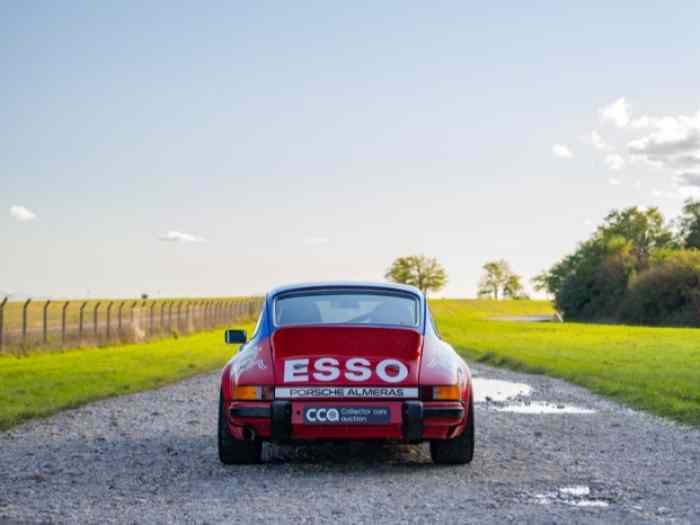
(594, 292)
(666, 294)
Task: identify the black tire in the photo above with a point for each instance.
(458, 450)
(234, 451)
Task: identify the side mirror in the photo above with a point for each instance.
(234, 337)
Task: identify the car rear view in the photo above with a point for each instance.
(332, 362)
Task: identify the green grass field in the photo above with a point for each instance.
(654, 369)
(43, 383)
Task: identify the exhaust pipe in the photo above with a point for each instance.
(248, 434)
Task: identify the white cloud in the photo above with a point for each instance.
(614, 162)
(666, 194)
(672, 138)
(599, 143)
(616, 112)
(315, 241)
(672, 143)
(562, 152)
(22, 214)
(614, 181)
(641, 122)
(689, 179)
(173, 236)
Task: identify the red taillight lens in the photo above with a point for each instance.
(253, 393)
(441, 393)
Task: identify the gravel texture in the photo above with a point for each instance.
(151, 458)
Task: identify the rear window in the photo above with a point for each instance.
(353, 308)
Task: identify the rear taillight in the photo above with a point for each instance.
(253, 393)
(441, 393)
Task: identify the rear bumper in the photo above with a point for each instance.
(411, 421)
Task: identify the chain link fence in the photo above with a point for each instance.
(70, 324)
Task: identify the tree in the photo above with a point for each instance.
(425, 273)
(690, 224)
(644, 229)
(513, 287)
(499, 280)
(590, 283)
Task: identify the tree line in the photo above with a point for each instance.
(637, 267)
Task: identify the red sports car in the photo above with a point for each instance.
(342, 361)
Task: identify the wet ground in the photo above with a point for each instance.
(547, 452)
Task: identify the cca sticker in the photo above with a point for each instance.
(322, 415)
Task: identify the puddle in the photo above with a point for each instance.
(503, 396)
(498, 390)
(543, 407)
(576, 496)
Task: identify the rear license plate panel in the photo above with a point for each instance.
(346, 415)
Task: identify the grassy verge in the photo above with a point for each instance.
(654, 369)
(43, 383)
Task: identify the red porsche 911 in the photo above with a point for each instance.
(342, 361)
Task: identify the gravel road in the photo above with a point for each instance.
(151, 458)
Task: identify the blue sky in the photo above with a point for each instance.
(181, 150)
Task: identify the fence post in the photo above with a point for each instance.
(151, 320)
(95, 319)
(80, 323)
(63, 323)
(162, 316)
(179, 318)
(119, 321)
(2, 322)
(109, 320)
(45, 338)
(170, 317)
(24, 321)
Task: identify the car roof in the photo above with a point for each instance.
(346, 285)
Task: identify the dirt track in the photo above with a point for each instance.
(151, 458)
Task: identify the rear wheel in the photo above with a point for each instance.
(234, 451)
(458, 450)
